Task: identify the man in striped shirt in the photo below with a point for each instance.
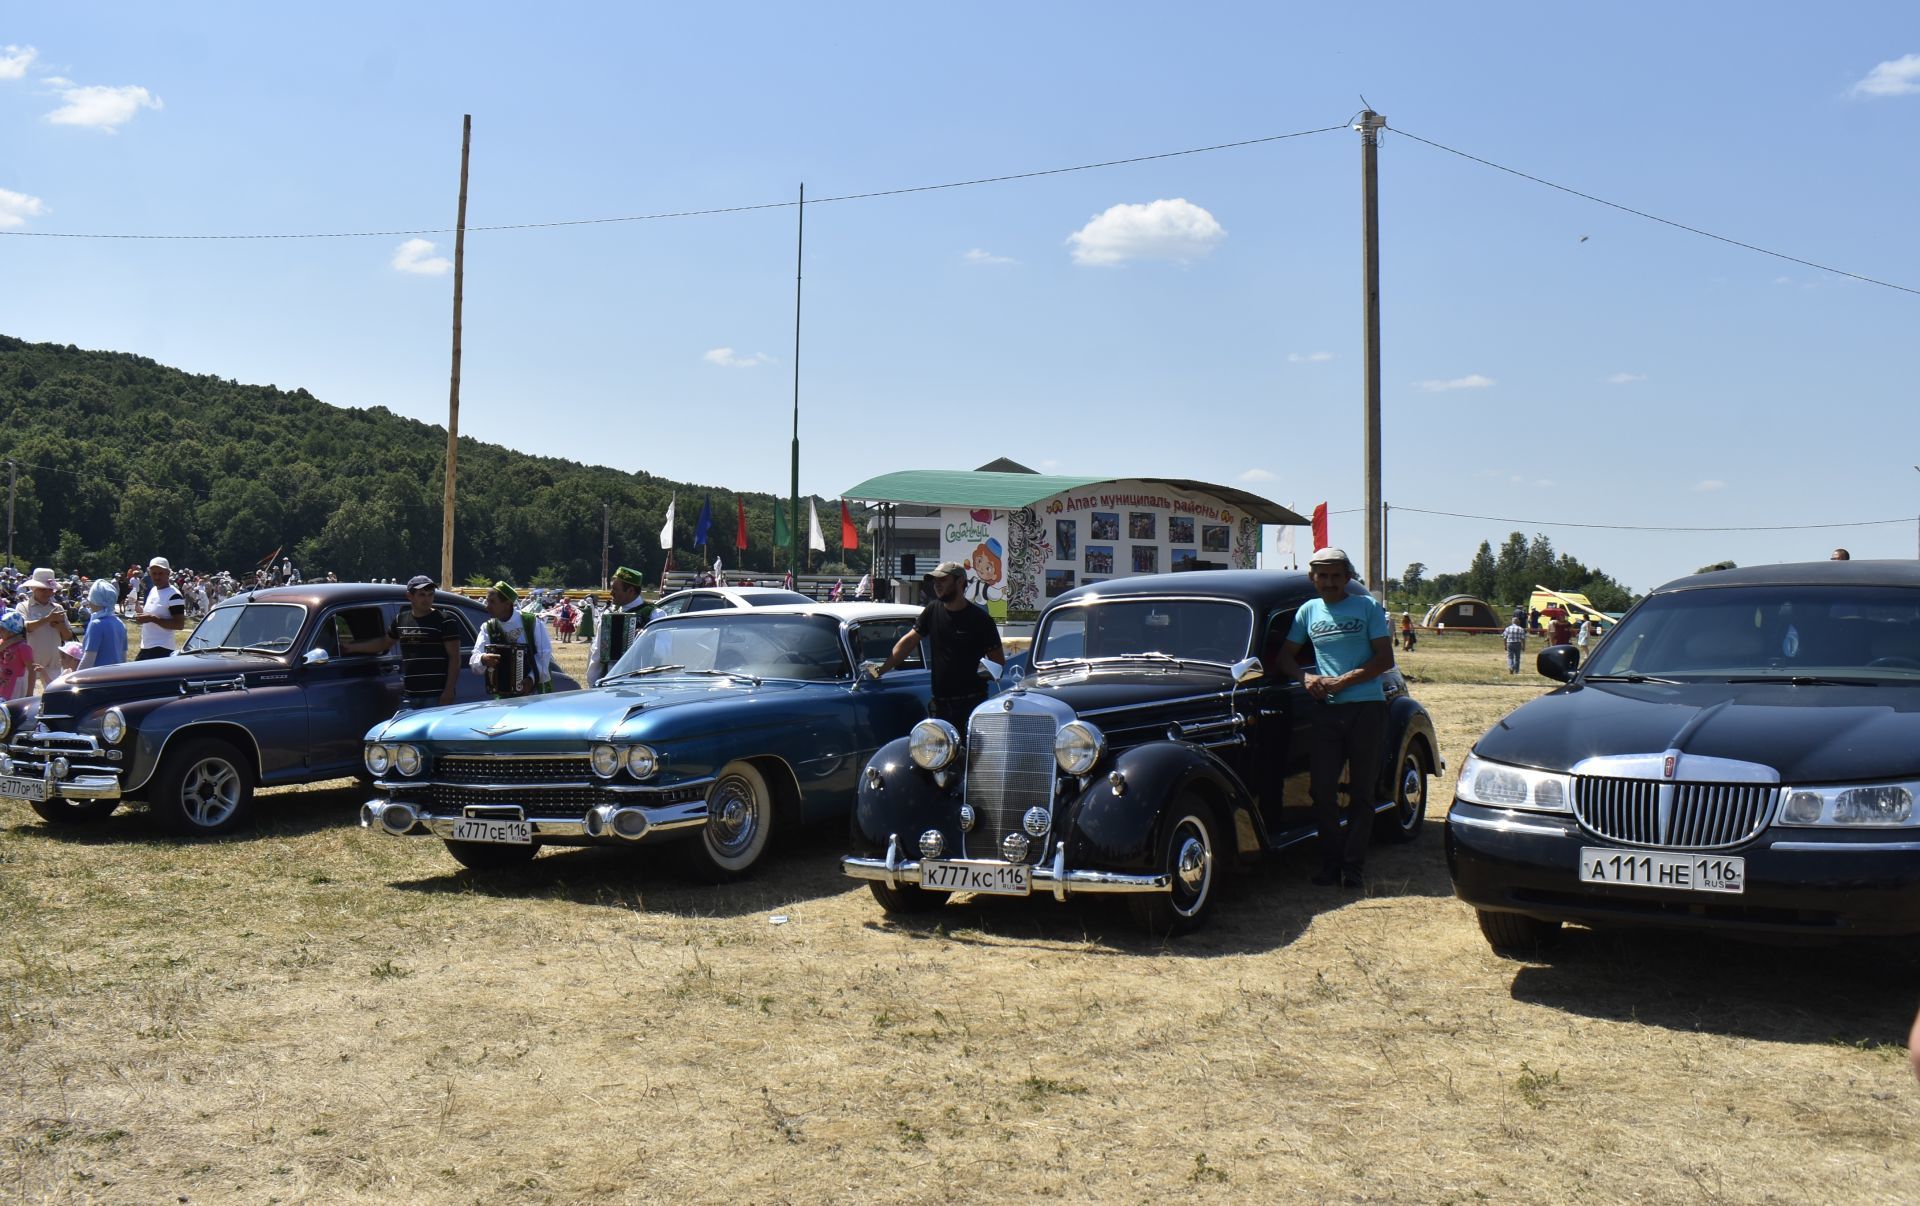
(1515, 636)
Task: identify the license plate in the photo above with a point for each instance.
(508, 833)
(995, 879)
(1682, 872)
(15, 788)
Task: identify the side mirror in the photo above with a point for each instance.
(989, 670)
(1558, 662)
(1248, 669)
(316, 657)
(870, 669)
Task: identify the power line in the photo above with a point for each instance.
(1640, 213)
(1627, 527)
(690, 213)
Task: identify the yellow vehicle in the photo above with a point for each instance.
(1577, 605)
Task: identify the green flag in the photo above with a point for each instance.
(781, 536)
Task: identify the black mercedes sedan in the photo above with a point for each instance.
(1742, 753)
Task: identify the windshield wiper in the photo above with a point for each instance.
(753, 678)
(613, 678)
(1807, 680)
(263, 647)
(1631, 678)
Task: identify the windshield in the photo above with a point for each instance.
(268, 627)
(1201, 630)
(1856, 632)
(776, 598)
(741, 642)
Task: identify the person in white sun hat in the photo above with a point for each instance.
(47, 626)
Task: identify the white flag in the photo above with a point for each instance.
(666, 533)
(1285, 547)
(815, 540)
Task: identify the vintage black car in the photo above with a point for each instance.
(259, 695)
(1148, 750)
(1741, 754)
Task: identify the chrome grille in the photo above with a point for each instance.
(1698, 816)
(444, 800)
(1010, 768)
(565, 768)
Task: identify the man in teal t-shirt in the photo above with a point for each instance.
(1352, 648)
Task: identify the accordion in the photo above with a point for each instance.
(619, 627)
(508, 675)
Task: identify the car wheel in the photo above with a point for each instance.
(491, 856)
(73, 812)
(203, 789)
(1513, 934)
(739, 819)
(1403, 822)
(1190, 857)
(906, 898)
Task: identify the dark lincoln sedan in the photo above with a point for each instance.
(1742, 753)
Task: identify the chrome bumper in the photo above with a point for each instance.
(400, 819)
(1052, 876)
(84, 787)
(83, 783)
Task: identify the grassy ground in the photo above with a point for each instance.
(313, 1013)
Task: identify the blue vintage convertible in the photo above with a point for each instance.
(716, 726)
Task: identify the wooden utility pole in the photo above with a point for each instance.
(793, 499)
(605, 518)
(1370, 124)
(453, 389)
(13, 479)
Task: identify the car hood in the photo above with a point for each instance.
(1808, 734)
(125, 681)
(641, 710)
(1133, 695)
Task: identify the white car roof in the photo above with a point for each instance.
(741, 593)
(852, 612)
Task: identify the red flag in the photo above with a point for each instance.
(740, 541)
(1320, 526)
(849, 535)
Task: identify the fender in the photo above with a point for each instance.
(897, 797)
(273, 717)
(1407, 722)
(1119, 829)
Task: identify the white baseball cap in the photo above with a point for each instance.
(160, 563)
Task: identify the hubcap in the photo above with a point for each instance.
(1192, 864)
(210, 792)
(1412, 788)
(733, 820)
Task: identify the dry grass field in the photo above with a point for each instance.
(312, 1013)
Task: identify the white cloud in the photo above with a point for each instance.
(416, 256)
(101, 107)
(727, 358)
(1259, 475)
(1175, 229)
(1308, 358)
(1895, 77)
(1709, 486)
(1626, 378)
(1470, 381)
(981, 256)
(14, 61)
(16, 208)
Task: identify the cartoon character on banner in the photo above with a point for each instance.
(989, 568)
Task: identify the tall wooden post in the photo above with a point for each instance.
(793, 498)
(1370, 125)
(453, 389)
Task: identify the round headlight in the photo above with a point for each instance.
(932, 744)
(113, 726)
(59, 766)
(606, 761)
(379, 758)
(642, 762)
(1078, 746)
(1804, 808)
(406, 759)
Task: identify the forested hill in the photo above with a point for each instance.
(122, 459)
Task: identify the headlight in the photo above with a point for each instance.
(1078, 746)
(606, 761)
(113, 726)
(933, 744)
(1879, 804)
(379, 758)
(642, 762)
(1502, 786)
(406, 759)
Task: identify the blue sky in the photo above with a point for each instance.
(1544, 358)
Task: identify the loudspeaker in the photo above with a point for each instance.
(907, 565)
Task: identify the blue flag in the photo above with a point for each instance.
(705, 521)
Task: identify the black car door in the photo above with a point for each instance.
(346, 693)
(1286, 724)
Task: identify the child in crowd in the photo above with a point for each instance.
(105, 641)
(16, 659)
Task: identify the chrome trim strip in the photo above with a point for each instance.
(689, 815)
(1061, 882)
(625, 789)
(1844, 847)
(489, 756)
(1211, 696)
(1687, 768)
(1510, 825)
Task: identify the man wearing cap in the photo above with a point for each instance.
(505, 627)
(429, 640)
(617, 626)
(162, 613)
(958, 634)
(1352, 648)
(47, 625)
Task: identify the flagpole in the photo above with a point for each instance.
(799, 254)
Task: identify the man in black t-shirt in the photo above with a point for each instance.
(429, 640)
(958, 635)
